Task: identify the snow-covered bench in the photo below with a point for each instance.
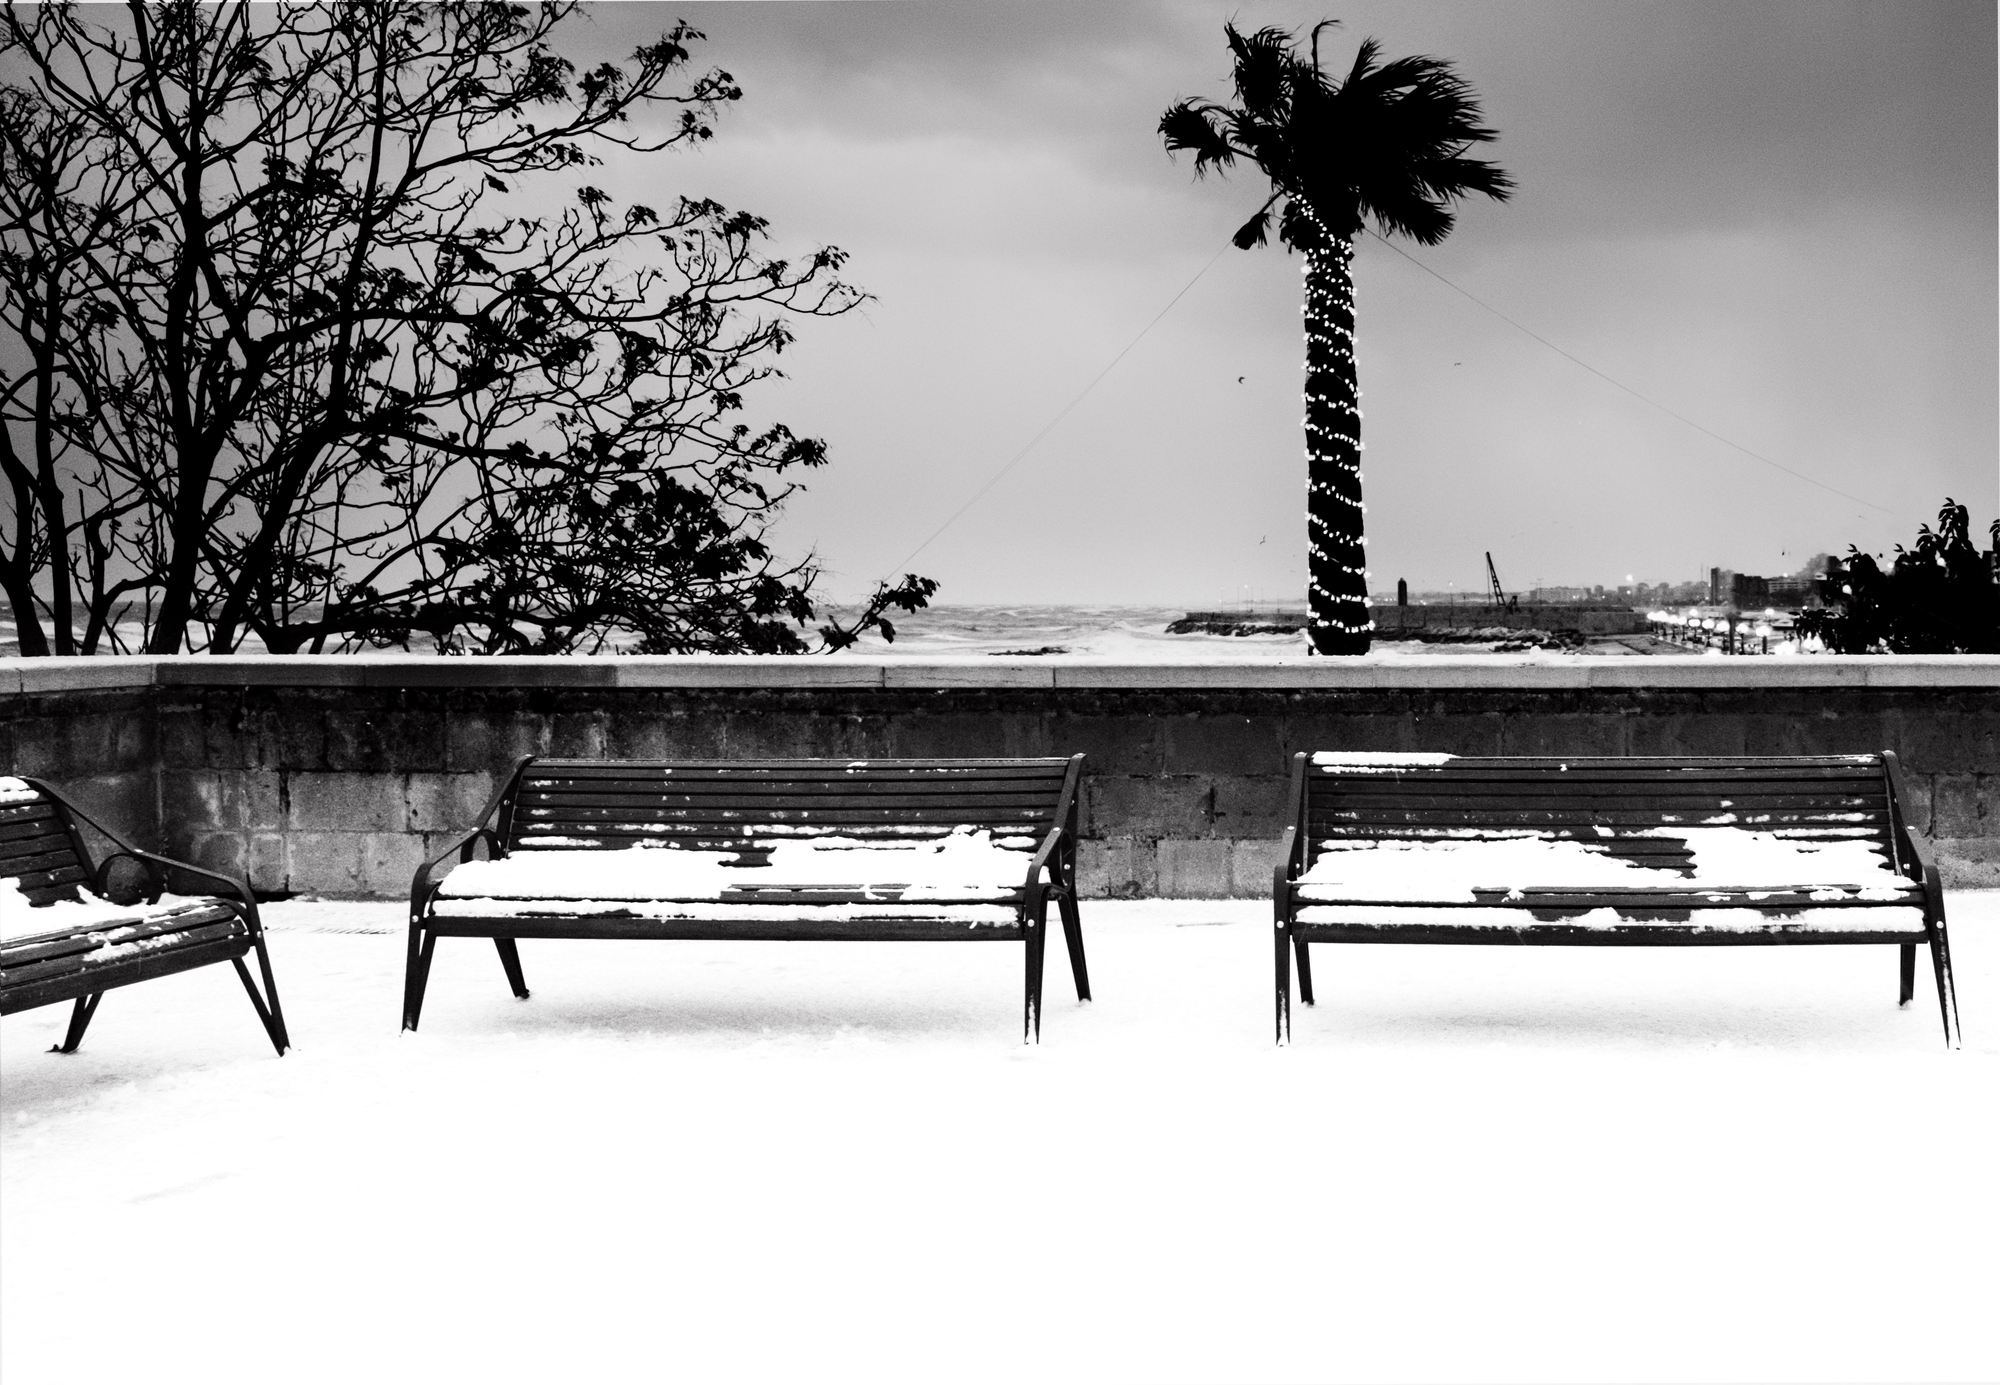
(1445, 849)
(62, 939)
(776, 849)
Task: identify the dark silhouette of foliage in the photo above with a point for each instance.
(1386, 142)
(1942, 597)
(325, 342)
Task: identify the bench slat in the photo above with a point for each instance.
(114, 953)
(146, 966)
(668, 797)
(30, 947)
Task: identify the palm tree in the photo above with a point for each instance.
(1386, 142)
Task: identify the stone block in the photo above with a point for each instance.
(124, 802)
(230, 799)
(1559, 734)
(1195, 870)
(1918, 794)
(579, 735)
(430, 805)
(1967, 864)
(346, 802)
(195, 800)
(492, 739)
(954, 735)
(1112, 744)
(790, 731)
(1221, 743)
(1252, 863)
(384, 737)
(1443, 729)
(388, 860)
(1249, 808)
(1962, 806)
(1322, 730)
(226, 852)
(1116, 868)
(267, 862)
(1682, 734)
(1118, 806)
(465, 798)
(1947, 740)
(325, 863)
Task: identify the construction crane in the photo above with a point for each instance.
(1500, 598)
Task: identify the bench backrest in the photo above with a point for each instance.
(38, 845)
(1607, 802)
(734, 804)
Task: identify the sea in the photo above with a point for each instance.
(1132, 634)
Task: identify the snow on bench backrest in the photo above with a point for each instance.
(36, 848)
(1589, 822)
(750, 807)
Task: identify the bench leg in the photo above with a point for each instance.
(1947, 996)
(1072, 922)
(1284, 963)
(1031, 1028)
(79, 1020)
(417, 972)
(510, 962)
(272, 1017)
(1907, 982)
(1305, 969)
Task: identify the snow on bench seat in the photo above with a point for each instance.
(963, 866)
(1717, 858)
(1889, 921)
(777, 850)
(20, 919)
(1600, 850)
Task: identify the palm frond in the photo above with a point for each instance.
(1188, 125)
(1253, 232)
(1264, 70)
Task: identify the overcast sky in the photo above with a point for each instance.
(1775, 218)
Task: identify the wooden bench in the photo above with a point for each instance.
(1605, 852)
(964, 850)
(57, 943)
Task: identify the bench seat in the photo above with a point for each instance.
(1606, 852)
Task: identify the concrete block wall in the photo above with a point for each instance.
(338, 776)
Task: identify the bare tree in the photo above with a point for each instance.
(333, 367)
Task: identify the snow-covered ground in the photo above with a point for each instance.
(806, 1161)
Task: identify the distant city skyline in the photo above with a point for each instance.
(1775, 219)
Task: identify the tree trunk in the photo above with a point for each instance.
(1336, 562)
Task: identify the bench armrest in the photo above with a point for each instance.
(428, 877)
(154, 864)
(1291, 846)
(1923, 863)
(1043, 855)
(1049, 857)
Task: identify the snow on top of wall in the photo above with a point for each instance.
(965, 862)
(13, 790)
(1377, 761)
(1724, 858)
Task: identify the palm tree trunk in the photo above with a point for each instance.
(1336, 562)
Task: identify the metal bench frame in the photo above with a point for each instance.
(1909, 855)
(1050, 879)
(88, 986)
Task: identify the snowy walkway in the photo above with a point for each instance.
(798, 1162)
